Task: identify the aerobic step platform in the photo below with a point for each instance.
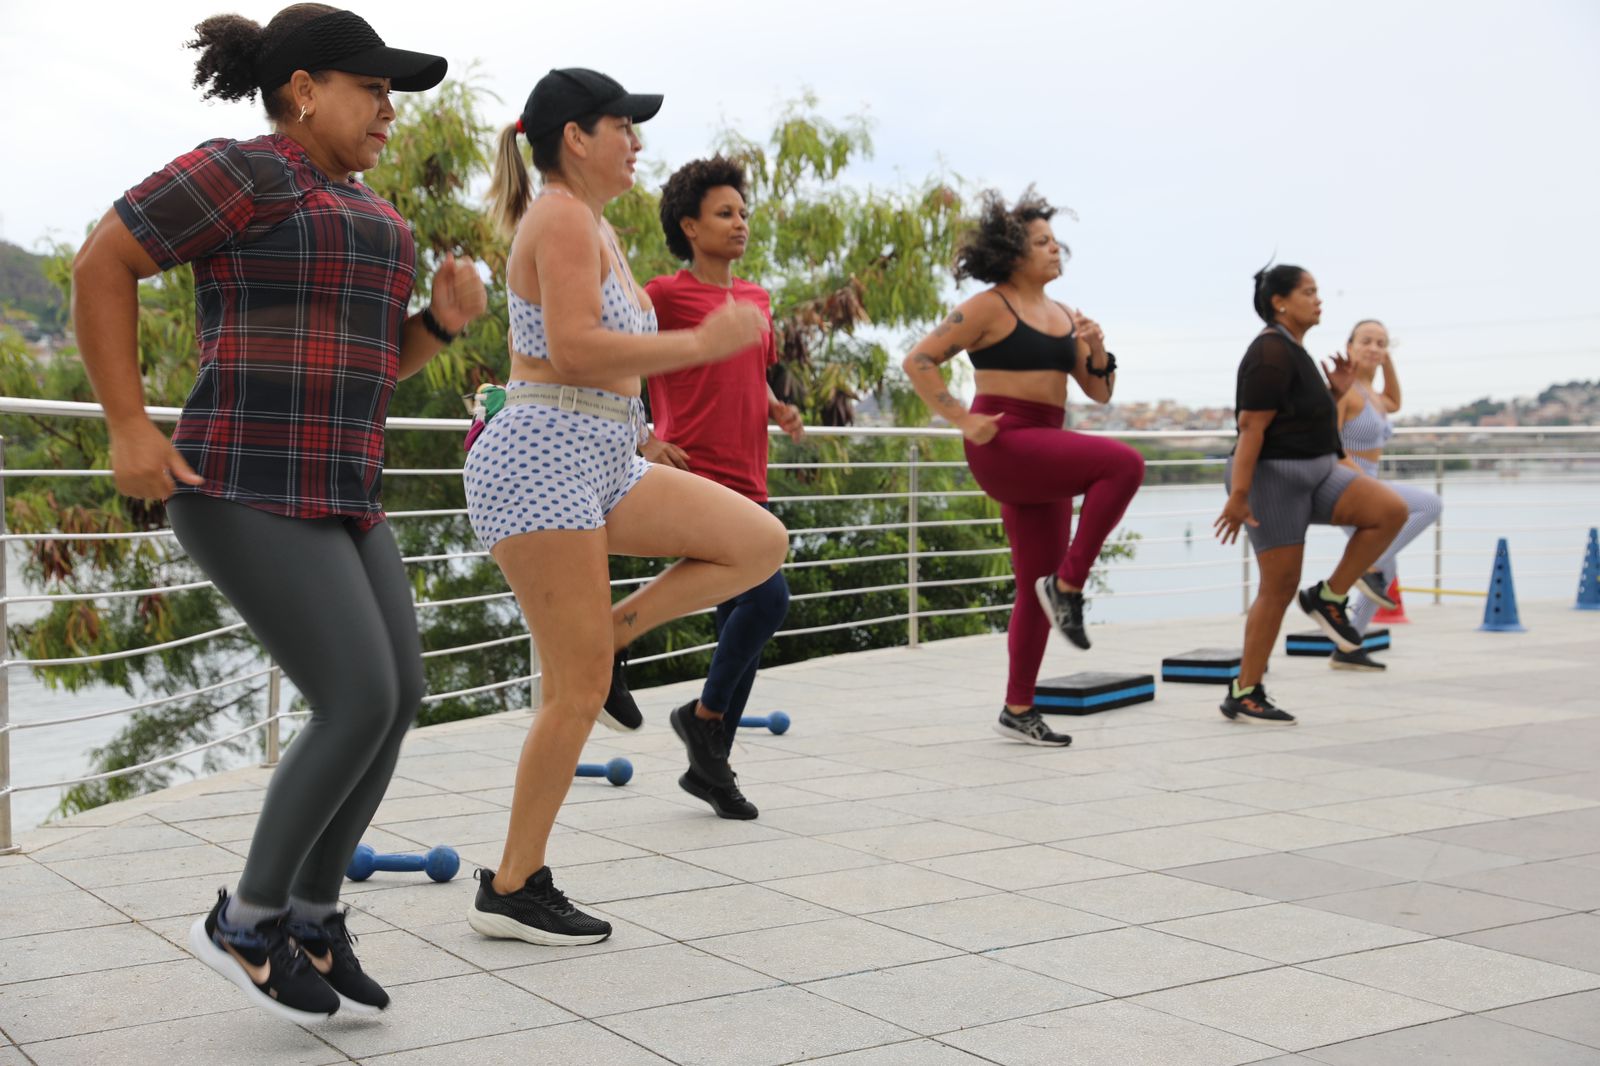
(1203, 666)
(1313, 642)
(1090, 692)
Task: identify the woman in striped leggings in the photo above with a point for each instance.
(1364, 430)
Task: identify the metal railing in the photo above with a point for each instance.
(1564, 456)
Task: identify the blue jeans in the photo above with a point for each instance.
(744, 625)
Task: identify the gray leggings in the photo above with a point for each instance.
(1423, 509)
(332, 606)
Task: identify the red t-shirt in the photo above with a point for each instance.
(717, 413)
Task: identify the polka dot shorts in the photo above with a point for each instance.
(537, 468)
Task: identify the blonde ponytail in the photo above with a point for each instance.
(510, 187)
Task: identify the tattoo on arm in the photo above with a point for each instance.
(955, 319)
(944, 399)
(923, 361)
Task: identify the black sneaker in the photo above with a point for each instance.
(1030, 728)
(1254, 706)
(707, 744)
(620, 712)
(1356, 660)
(1064, 609)
(1331, 618)
(1372, 587)
(269, 969)
(726, 800)
(537, 912)
(329, 947)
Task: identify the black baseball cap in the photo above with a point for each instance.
(565, 95)
(342, 40)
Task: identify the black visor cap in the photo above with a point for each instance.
(342, 40)
(566, 95)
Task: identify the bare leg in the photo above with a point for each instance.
(1376, 512)
(1280, 578)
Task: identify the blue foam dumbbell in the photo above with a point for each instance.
(777, 721)
(440, 863)
(618, 771)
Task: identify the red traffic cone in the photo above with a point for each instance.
(1397, 616)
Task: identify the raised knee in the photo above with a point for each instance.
(771, 547)
(1133, 463)
(1395, 513)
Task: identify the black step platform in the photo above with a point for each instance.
(1203, 666)
(1313, 642)
(1092, 691)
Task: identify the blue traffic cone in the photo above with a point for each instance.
(1500, 613)
(1589, 580)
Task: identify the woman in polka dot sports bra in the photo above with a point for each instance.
(554, 482)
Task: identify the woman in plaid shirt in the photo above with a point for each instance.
(302, 280)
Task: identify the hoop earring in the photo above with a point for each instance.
(302, 117)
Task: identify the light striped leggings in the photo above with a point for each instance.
(1424, 507)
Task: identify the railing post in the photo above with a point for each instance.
(274, 700)
(1438, 529)
(535, 683)
(913, 636)
(1244, 569)
(7, 844)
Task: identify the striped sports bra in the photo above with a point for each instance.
(1369, 430)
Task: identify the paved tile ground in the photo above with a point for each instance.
(1410, 876)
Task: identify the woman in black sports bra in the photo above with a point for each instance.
(1024, 346)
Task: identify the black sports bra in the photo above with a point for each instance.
(1026, 348)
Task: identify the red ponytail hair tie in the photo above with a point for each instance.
(519, 126)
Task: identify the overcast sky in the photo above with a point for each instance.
(1433, 164)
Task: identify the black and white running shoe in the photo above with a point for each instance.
(706, 741)
(1030, 728)
(1064, 609)
(1253, 706)
(330, 948)
(537, 912)
(1332, 618)
(726, 800)
(272, 972)
(1371, 586)
(1356, 660)
(620, 712)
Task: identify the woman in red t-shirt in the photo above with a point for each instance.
(712, 420)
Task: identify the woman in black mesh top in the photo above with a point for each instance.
(1286, 473)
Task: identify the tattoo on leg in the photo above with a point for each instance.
(629, 618)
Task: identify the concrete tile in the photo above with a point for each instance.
(1453, 974)
(1282, 831)
(1278, 795)
(1556, 884)
(919, 840)
(395, 957)
(983, 923)
(817, 950)
(10, 1056)
(1438, 910)
(26, 914)
(949, 994)
(767, 860)
(32, 878)
(1413, 858)
(1508, 801)
(1044, 825)
(1169, 808)
(118, 840)
(59, 954)
(1031, 866)
(1533, 839)
(1570, 940)
(412, 906)
(1139, 899)
(958, 803)
(1107, 1034)
(1575, 1017)
(602, 882)
(686, 834)
(568, 1042)
(875, 888)
(111, 870)
(441, 1012)
(1283, 877)
(248, 1037)
(1128, 961)
(792, 1024)
(909, 1053)
(1285, 932)
(608, 813)
(1161, 847)
(1459, 1042)
(458, 938)
(149, 900)
(1293, 1009)
(1397, 814)
(824, 818)
(110, 999)
(705, 912)
(599, 985)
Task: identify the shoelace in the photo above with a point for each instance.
(286, 957)
(551, 896)
(335, 932)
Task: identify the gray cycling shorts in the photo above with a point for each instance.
(1287, 495)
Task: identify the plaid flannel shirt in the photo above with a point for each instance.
(301, 288)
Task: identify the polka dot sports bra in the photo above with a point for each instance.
(620, 310)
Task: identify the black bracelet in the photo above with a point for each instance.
(432, 325)
(1106, 371)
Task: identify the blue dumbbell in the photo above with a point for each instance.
(440, 863)
(777, 721)
(618, 770)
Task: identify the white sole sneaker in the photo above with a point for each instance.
(1012, 734)
(1326, 626)
(502, 927)
(208, 952)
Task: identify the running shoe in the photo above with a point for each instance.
(1253, 706)
(620, 712)
(1332, 618)
(726, 800)
(1372, 587)
(330, 948)
(269, 968)
(1030, 728)
(537, 912)
(707, 744)
(1064, 609)
(1356, 660)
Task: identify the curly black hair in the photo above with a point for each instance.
(229, 46)
(686, 190)
(998, 239)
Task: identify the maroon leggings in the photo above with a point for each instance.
(1033, 468)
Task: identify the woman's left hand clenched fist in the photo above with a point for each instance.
(458, 293)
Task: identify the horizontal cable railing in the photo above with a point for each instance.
(900, 519)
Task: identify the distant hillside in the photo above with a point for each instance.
(24, 288)
(1576, 403)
